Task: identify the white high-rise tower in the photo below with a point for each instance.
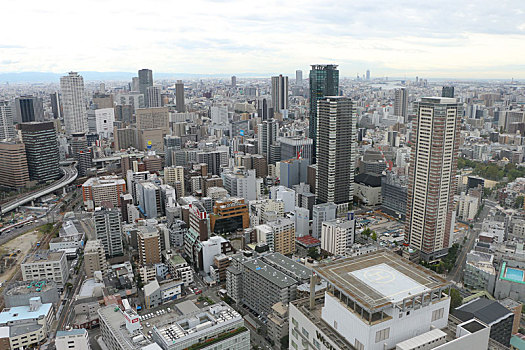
(74, 104)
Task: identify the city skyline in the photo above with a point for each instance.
(255, 38)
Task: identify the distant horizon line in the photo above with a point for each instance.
(43, 76)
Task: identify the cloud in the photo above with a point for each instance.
(205, 36)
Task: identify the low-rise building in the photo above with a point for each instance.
(278, 322)
(73, 339)
(214, 327)
(45, 264)
(479, 272)
(28, 325)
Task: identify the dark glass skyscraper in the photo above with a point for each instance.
(324, 81)
(42, 152)
(145, 80)
(29, 109)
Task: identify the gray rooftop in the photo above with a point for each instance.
(270, 273)
(296, 269)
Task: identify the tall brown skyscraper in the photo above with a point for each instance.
(432, 176)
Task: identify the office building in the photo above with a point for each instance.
(432, 176)
(296, 147)
(337, 235)
(42, 153)
(299, 77)
(229, 216)
(29, 109)
(104, 120)
(74, 103)
(56, 106)
(264, 109)
(267, 136)
(491, 312)
(13, 165)
(234, 81)
(97, 190)
(28, 326)
(94, 257)
(126, 138)
(401, 103)
(77, 339)
(293, 171)
(124, 113)
(46, 264)
(7, 130)
(324, 81)
(133, 99)
(447, 91)
(336, 142)
(145, 81)
(108, 229)
(320, 213)
(372, 301)
(149, 245)
(240, 184)
(394, 195)
(153, 97)
(152, 118)
(280, 93)
(368, 74)
(179, 97)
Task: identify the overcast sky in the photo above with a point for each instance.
(443, 38)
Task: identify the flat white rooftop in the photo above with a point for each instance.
(389, 282)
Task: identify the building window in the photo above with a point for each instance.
(437, 314)
(294, 321)
(294, 345)
(335, 324)
(317, 344)
(382, 334)
(305, 332)
(358, 345)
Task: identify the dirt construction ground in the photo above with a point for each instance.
(24, 242)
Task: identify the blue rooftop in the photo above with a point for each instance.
(19, 313)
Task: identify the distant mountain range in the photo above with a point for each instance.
(46, 77)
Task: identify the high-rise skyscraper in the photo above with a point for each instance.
(42, 153)
(73, 102)
(7, 131)
(153, 97)
(447, 91)
(336, 122)
(234, 81)
(324, 81)
(179, 97)
(55, 105)
(145, 80)
(432, 176)
(299, 77)
(267, 136)
(264, 110)
(368, 74)
(29, 109)
(13, 165)
(279, 93)
(401, 103)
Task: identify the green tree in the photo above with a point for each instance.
(313, 253)
(518, 203)
(374, 235)
(455, 299)
(284, 342)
